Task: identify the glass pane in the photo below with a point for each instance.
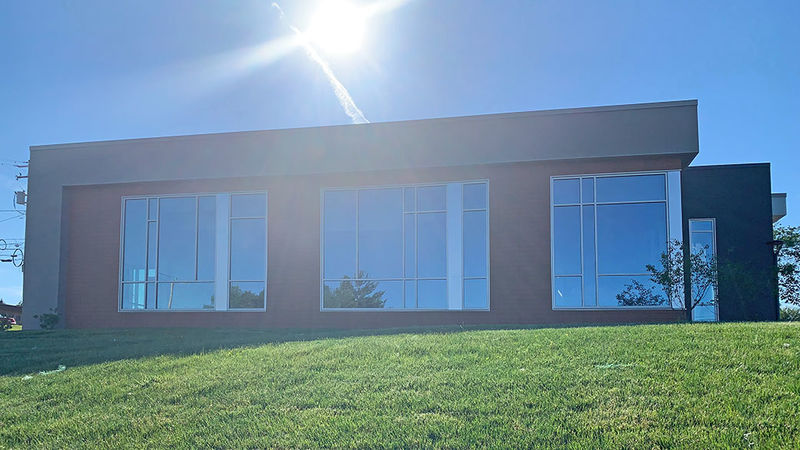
(567, 240)
(589, 268)
(411, 295)
(475, 295)
(630, 236)
(566, 191)
(248, 250)
(587, 189)
(700, 225)
(249, 205)
(411, 245)
(568, 292)
(340, 234)
(206, 237)
(177, 229)
(133, 296)
(431, 245)
(703, 242)
(408, 196)
(152, 249)
(432, 294)
(135, 233)
(475, 244)
(380, 233)
(631, 188)
(704, 313)
(431, 198)
(152, 209)
(246, 295)
(151, 295)
(362, 294)
(185, 295)
(630, 291)
(475, 196)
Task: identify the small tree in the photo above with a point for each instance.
(675, 264)
(788, 264)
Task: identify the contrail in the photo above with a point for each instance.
(342, 95)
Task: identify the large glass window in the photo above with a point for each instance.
(605, 230)
(406, 247)
(173, 248)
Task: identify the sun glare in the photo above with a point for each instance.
(337, 26)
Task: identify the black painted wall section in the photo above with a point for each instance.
(739, 198)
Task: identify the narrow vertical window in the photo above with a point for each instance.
(702, 238)
(248, 251)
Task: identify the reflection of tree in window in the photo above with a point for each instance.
(358, 293)
(239, 298)
(637, 294)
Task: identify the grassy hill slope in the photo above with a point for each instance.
(688, 385)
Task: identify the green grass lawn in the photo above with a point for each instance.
(686, 385)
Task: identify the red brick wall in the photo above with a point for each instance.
(519, 243)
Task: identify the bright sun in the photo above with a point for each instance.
(338, 26)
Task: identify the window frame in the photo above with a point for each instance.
(403, 279)
(671, 194)
(217, 257)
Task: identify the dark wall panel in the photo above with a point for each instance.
(739, 198)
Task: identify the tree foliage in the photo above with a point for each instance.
(676, 263)
(358, 293)
(788, 263)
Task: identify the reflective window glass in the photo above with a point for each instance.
(431, 245)
(475, 294)
(629, 291)
(248, 205)
(566, 191)
(432, 294)
(133, 296)
(567, 240)
(380, 233)
(475, 196)
(206, 237)
(134, 256)
(431, 198)
(246, 295)
(475, 244)
(189, 296)
(630, 236)
(340, 234)
(568, 292)
(248, 250)
(631, 188)
(587, 190)
(177, 234)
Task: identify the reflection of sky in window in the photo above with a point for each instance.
(135, 235)
(566, 240)
(248, 249)
(566, 191)
(176, 255)
(248, 205)
(206, 235)
(475, 294)
(631, 188)
(475, 244)
(432, 294)
(380, 233)
(568, 291)
(340, 234)
(610, 286)
(185, 295)
(630, 236)
(431, 245)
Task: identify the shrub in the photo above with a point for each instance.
(48, 321)
(790, 313)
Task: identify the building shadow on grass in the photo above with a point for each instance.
(28, 352)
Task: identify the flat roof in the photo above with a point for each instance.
(639, 130)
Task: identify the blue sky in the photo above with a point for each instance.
(93, 70)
